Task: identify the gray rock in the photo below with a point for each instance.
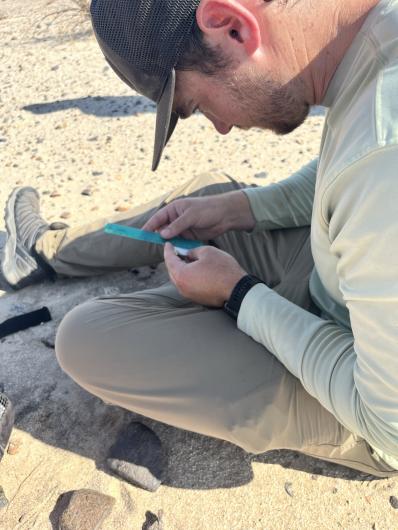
(48, 343)
(261, 175)
(3, 499)
(138, 457)
(394, 502)
(87, 509)
(289, 489)
(153, 522)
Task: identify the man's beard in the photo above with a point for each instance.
(268, 104)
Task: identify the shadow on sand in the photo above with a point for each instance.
(53, 409)
(102, 107)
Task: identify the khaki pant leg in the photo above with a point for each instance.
(162, 356)
(87, 250)
(283, 260)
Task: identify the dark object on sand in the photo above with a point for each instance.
(394, 502)
(6, 422)
(3, 499)
(153, 522)
(138, 457)
(27, 320)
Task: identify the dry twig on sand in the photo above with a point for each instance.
(64, 12)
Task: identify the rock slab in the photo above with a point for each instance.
(137, 456)
(87, 509)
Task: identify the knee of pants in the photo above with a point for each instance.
(69, 341)
(209, 183)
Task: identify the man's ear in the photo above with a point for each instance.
(229, 24)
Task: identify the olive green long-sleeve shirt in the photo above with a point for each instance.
(348, 359)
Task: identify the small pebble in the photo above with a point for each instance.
(289, 489)
(14, 446)
(55, 194)
(394, 502)
(57, 225)
(138, 457)
(48, 343)
(65, 215)
(261, 175)
(87, 509)
(153, 522)
(3, 499)
(87, 192)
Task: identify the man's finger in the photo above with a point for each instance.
(173, 263)
(159, 219)
(176, 227)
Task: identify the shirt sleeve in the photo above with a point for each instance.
(286, 204)
(353, 373)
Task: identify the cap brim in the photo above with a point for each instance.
(166, 120)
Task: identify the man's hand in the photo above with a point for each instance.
(203, 217)
(208, 278)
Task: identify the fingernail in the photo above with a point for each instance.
(165, 232)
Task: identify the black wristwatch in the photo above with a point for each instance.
(241, 289)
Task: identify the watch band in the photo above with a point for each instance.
(232, 306)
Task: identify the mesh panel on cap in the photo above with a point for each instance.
(149, 34)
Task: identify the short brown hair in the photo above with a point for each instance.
(201, 57)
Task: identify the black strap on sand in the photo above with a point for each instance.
(25, 321)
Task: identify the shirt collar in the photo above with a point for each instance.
(343, 70)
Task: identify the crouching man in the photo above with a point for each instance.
(282, 332)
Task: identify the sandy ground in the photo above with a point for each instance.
(67, 124)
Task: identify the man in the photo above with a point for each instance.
(308, 360)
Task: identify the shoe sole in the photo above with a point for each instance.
(11, 252)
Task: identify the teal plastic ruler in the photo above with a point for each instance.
(150, 237)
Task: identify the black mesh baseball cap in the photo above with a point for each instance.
(142, 40)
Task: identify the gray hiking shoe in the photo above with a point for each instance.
(21, 265)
